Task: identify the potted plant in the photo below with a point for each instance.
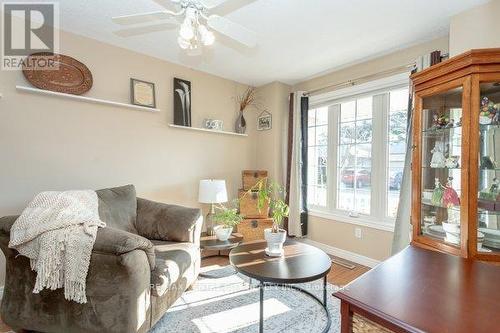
(274, 194)
(227, 218)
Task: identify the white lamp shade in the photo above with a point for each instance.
(212, 191)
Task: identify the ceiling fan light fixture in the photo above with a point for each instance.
(183, 43)
(207, 37)
(186, 30)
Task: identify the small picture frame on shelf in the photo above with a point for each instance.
(264, 121)
(142, 93)
(213, 124)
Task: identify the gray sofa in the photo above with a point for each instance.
(142, 262)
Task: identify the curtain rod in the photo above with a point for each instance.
(362, 79)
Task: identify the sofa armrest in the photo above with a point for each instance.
(118, 242)
(168, 222)
(6, 223)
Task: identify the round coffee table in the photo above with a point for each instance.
(300, 263)
(211, 243)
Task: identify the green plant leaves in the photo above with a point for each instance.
(227, 216)
(273, 193)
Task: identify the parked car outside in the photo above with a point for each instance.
(361, 177)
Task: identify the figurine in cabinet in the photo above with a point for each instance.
(492, 192)
(438, 160)
(450, 196)
(437, 194)
(452, 162)
(490, 112)
(440, 121)
(487, 163)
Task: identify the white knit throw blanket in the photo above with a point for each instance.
(57, 232)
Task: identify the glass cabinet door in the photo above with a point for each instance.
(488, 186)
(441, 161)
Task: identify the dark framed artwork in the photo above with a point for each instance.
(182, 102)
(142, 93)
(264, 121)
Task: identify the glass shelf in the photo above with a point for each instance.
(438, 130)
(428, 203)
(428, 167)
(488, 212)
(488, 127)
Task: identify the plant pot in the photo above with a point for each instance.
(223, 233)
(275, 242)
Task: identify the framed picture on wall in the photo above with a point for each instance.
(182, 102)
(264, 121)
(142, 93)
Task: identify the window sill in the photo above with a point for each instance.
(369, 222)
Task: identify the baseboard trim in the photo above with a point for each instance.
(344, 254)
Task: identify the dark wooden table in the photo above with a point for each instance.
(300, 263)
(420, 290)
(211, 243)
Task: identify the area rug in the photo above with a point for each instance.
(229, 304)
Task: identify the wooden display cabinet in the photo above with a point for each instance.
(456, 156)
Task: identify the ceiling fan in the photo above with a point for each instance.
(194, 30)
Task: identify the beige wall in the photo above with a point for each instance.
(375, 244)
(270, 144)
(476, 28)
(384, 63)
(49, 143)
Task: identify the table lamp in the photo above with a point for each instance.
(212, 191)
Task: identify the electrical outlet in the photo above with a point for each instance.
(357, 233)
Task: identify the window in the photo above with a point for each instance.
(317, 155)
(356, 155)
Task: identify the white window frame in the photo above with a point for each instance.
(379, 90)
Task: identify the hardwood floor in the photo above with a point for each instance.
(338, 276)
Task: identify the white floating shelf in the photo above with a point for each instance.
(206, 130)
(85, 99)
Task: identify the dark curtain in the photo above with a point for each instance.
(289, 155)
(304, 108)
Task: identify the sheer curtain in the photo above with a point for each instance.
(402, 227)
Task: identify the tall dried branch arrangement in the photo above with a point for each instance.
(248, 98)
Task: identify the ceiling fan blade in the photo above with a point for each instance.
(141, 18)
(209, 4)
(168, 4)
(233, 30)
(142, 30)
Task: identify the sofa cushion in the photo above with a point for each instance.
(174, 261)
(156, 220)
(118, 207)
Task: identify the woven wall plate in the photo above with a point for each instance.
(67, 76)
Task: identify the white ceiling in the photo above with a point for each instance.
(298, 39)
